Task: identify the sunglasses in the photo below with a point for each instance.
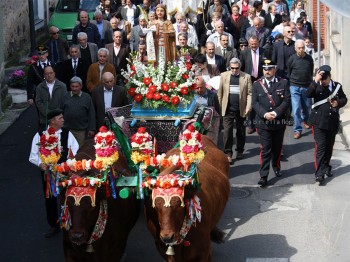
(234, 68)
(268, 68)
(243, 45)
(56, 33)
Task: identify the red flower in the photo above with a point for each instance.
(173, 84)
(194, 86)
(132, 91)
(138, 98)
(147, 81)
(133, 68)
(157, 96)
(103, 129)
(149, 96)
(188, 136)
(132, 73)
(185, 76)
(191, 128)
(165, 98)
(52, 139)
(188, 66)
(164, 87)
(152, 89)
(51, 131)
(141, 130)
(175, 100)
(184, 90)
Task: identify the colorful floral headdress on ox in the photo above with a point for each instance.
(142, 146)
(50, 147)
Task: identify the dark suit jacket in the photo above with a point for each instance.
(261, 103)
(136, 15)
(120, 61)
(247, 61)
(93, 51)
(35, 77)
(62, 46)
(109, 36)
(271, 24)
(263, 34)
(278, 56)
(134, 39)
(220, 63)
(106, 27)
(65, 72)
(119, 98)
(230, 53)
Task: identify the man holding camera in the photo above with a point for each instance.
(328, 98)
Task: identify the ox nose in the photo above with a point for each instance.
(167, 239)
(77, 237)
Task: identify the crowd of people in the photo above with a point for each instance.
(262, 52)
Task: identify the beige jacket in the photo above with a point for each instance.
(245, 96)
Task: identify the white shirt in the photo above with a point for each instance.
(116, 49)
(107, 95)
(215, 38)
(34, 156)
(76, 62)
(130, 14)
(50, 87)
(211, 61)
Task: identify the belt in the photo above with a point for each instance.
(328, 98)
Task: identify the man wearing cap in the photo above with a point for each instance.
(79, 112)
(49, 95)
(328, 97)
(36, 73)
(68, 143)
(271, 99)
(235, 97)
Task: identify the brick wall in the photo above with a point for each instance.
(323, 21)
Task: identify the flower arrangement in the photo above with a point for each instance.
(17, 78)
(163, 86)
(166, 181)
(50, 147)
(106, 147)
(142, 146)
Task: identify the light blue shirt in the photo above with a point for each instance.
(107, 95)
(100, 29)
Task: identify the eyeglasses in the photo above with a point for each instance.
(55, 33)
(234, 68)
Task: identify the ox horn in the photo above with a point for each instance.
(90, 249)
(170, 251)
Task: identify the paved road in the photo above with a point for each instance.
(293, 219)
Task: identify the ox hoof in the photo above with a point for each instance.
(52, 231)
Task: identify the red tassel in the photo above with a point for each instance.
(108, 193)
(155, 147)
(47, 185)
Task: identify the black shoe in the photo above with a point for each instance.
(319, 179)
(329, 174)
(251, 130)
(263, 181)
(278, 173)
(52, 231)
(239, 155)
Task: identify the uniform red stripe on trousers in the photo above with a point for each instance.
(313, 133)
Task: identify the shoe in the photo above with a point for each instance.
(306, 125)
(329, 173)
(263, 181)
(251, 130)
(278, 173)
(297, 135)
(239, 155)
(52, 231)
(319, 178)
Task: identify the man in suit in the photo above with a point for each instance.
(36, 73)
(225, 51)
(96, 70)
(192, 38)
(86, 26)
(235, 96)
(114, 27)
(102, 25)
(182, 39)
(251, 63)
(325, 118)
(106, 96)
(134, 39)
(219, 30)
(118, 52)
(88, 51)
(258, 30)
(214, 59)
(272, 19)
(58, 48)
(75, 66)
(130, 13)
(271, 99)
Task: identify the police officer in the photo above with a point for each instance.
(328, 98)
(271, 99)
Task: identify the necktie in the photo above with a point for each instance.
(44, 65)
(223, 52)
(255, 65)
(75, 66)
(54, 52)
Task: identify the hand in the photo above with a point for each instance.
(247, 111)
(334, 103)
(30, 102)
(270, 116)
(91, 134)
(209, 32)
(43, 167)
(318, 76)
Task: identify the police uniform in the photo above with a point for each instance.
(325, 121)
(273, 96)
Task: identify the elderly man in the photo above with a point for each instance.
(58, 48)
(68, 143)
(271, 99)
(106, 96)
(79, 112)
(135, 37)
(114, 27)
(204, 96)
(97, 69)
(49, 95)
(262, 33)
(118, 53)
(192, 38)
(93, 36)
(219, 30)
(225, 51)
(182, 39)
(235, 96)
(214, 59)
(88, 51)
(102, 25)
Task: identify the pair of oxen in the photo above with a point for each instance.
(164, 221)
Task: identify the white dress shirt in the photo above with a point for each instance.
(107, 95)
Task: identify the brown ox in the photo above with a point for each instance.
(122, 216)
(166, 222)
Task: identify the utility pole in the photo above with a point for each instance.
(31, 27)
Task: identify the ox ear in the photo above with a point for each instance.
(190, 191)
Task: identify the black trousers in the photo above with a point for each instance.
(50, 205)
(228, 123)
(324, 142)
(271, 142)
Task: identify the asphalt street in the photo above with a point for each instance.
(293, 219)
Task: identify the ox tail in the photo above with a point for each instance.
(217, 236)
